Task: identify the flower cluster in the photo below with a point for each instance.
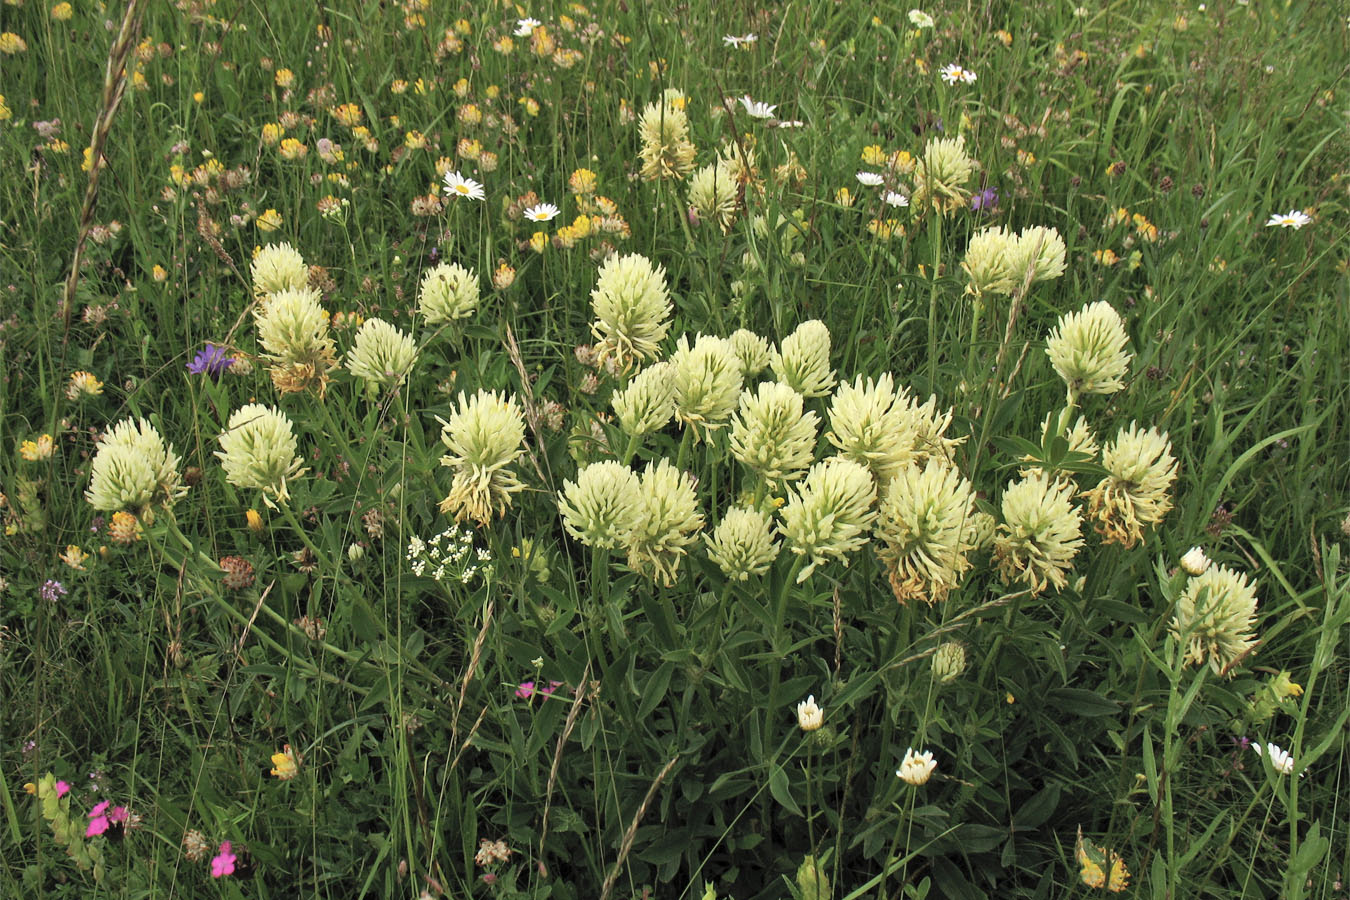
(449, 555)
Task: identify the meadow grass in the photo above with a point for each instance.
(287, 693)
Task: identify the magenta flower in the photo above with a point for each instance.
(118, 815)
(62, 788)
(98, 821)
(526, 690)
(222, 863)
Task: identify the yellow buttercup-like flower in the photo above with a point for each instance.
(286, 764)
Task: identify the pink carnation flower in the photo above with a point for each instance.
(222, 863)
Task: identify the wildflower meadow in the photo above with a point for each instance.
(622, 450)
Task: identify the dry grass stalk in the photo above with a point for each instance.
(114, 85)
(557, 754)
(628, 836)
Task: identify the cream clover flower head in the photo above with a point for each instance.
(666, 150)
(752, 350)
(916, 768)
(120, 477)
(1036, 255)
(278, 267)
(483, 437)
(987, 262)
(381, 355)
(294, 332)
(803, 360)
(447, 292)
(647, 402)
(707, 382)
(941, 174)
(603, 507)
(809, 714)
(1041, 532)
(929, 427)
(771, 435)
(949, 661)
(714, 193)
(1214, 618)
(870, 423)
(1087, 349)
(130, 450)
(1140, 470)
(257, 450)
(924, 523)
(981, 530)
(669, 522)
(828, 513)
(632, 309)
(1194, 561)
(742, 544)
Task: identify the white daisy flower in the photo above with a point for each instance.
(870, 179)
(895, 198)
(525, 27)
(920, 19)
(738, 41)
(952, 73)
(757, 108)
(1282, 760)
(788, 123)
(1295, 218)
(456, 185)
(541, 212)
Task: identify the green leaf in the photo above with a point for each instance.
(781, 790)
(1081, 702)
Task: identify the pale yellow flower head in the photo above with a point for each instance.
(647, 402)
(447, 292)
(603, 507)
(296, 339)
(742, 544)
(803, 361)
(632, 309)
(1087, 349)
(483, 437)
(257, 450)
(381, 355)
(827, 515)
(924, 524)
(1041, 532)
(949, 661)
(707, 381)
(752, 350)
(278, 267)
(1140, 471)
(771, 435)
(666, 150)
(1036, 255)
(668, 524)
(941, 174)
(1214, 619)
(133, 467)
(986, 263)
(714, 193)
(871, 424)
